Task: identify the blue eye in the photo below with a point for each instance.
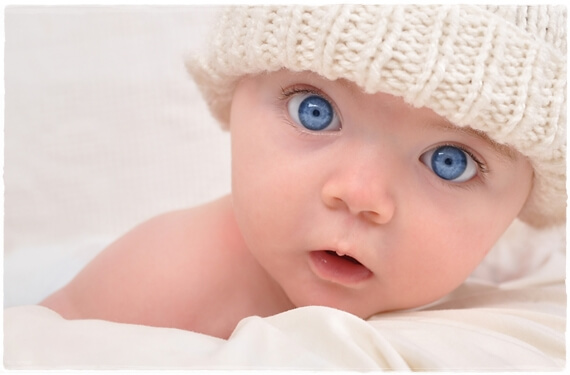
(313, 112)
(450, 163)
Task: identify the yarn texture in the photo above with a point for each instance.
(497, 69)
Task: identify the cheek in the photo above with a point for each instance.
(455, 247)
(251, 146)
(467, 229)
(259, 172)
(443, 247)
(439, 261)
(262, 186)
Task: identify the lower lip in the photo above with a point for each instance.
(333, 268)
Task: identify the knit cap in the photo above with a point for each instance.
(497, 69)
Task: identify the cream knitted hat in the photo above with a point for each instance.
(497, 69)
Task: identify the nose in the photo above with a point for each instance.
(362, 187)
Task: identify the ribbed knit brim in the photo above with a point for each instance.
(497, 69)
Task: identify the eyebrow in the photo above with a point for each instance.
(501, 149)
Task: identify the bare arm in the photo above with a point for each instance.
(162, 273)
(127, 281)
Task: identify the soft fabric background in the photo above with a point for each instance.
(104, 128)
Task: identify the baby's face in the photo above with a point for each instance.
(361, 202)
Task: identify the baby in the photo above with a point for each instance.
(378, 153)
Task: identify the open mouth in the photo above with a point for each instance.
(342, 269)
(348, 258)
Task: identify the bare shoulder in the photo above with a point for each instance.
(157, 273)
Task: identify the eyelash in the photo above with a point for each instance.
(286, 93)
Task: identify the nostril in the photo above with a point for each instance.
(334, 202)
(371, 216)
(378, 217)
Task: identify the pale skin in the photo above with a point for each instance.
(351, 216)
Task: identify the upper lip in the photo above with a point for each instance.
(346, 253)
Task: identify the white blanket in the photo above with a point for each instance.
(103, 129)
(507, 331)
